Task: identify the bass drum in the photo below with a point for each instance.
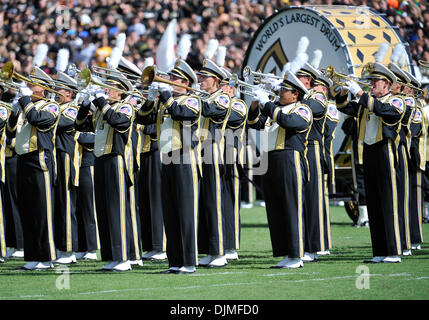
(348, 37)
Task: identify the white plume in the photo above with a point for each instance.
(149, 61)
(403, 59)
(317, 57)
(41, 52)
(397, 52)
(381, 52)
(286, 68)
(211, 48)
(220, 56)
(62, 59)
(117, 51)
(184, 46)
(298, 62)
(302, 45)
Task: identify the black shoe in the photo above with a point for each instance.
(168, 271)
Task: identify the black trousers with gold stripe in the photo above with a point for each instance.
(112, 199)
(66, 238)
(135, 230)
(315, 214)
(88, 239)
(34, 176)
(180, 189)
(283, 186)
(13, 224)
(211, 229)
(416, 204)
(150, 202)
(2, 227)
(382, 198)
(404, 188)
(231, 207)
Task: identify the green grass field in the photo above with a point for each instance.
(334, 277)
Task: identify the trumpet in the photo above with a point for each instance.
(7, 73)
(247, 71)
(337, 77)
(234, 81)
(86, 78)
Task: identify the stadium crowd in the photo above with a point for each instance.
(88, 27)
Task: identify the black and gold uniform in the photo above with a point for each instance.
(153, 233)
(36, 173)
(88, 239)
(416, 168)
(286, 128)
(315, 214)
(4, 114)
(177, 123)
(378, 120)
(235, 146)
(211, 230)
(112, 176)
(67, 156)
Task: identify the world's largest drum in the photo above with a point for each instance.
(347, 36)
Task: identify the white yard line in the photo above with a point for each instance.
(220, 284)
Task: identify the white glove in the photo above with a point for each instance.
(152, 91)
(164, 87)
(275, 83)
(85, 96)
(100, 92)
(353, 87)
(24, 91)
(261, 96)
(15, 105)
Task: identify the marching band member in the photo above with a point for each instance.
(36, 170)
(403, 151)
(149, 183)
(177, 120)
(86, 215)
(418, 132)
(286, 124)
(4, 112)
(111, 123)
(215, 110)
(315, 213)
(379, 114)
(234, 157)
(67, 157)
(12, 219)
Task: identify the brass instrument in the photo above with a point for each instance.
(234, 81)
(259, 76)
(7, 74)
(149, 76)
(337, 77)
(85, 78)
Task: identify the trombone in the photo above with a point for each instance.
(7, 73)
(336, 77)
(149, 75)
(234, 81)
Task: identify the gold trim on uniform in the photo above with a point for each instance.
(122, 194)
(300, 209)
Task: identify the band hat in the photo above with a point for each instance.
(323, 80)
(228, 76)
(129, 67)
(38, 75)
(401, 76)
(119, 79)
(309, 70)
(66, 80)
(379, 71)
(182, 70)
(290, 81)
(211, 69)
(413, 79)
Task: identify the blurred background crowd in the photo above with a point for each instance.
(88, 28)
